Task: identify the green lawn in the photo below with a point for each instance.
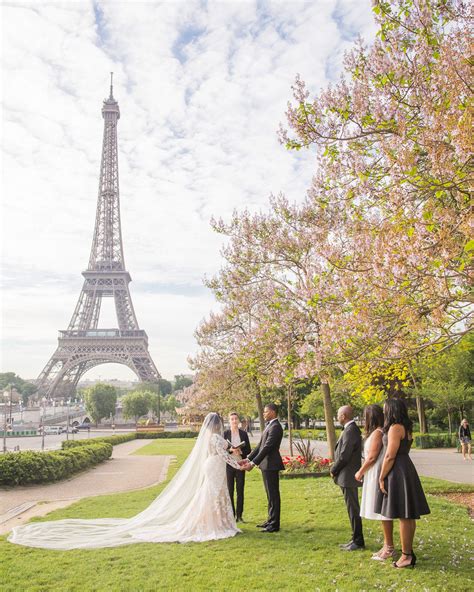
(303, 556)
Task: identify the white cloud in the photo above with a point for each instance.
(202, 88)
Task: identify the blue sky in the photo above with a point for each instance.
(202, 88)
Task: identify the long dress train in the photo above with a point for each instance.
(195, 506)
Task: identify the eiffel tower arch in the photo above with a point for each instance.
(83, 344)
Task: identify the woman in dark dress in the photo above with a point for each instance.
(465, 439)
(401, 494)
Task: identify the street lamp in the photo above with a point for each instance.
(68, 402)
(5, 398)
(43, 401)
(11, 403)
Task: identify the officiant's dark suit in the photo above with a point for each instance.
(234, 476)
(266, 455)
(347, 461)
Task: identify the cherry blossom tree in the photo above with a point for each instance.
(393, 143)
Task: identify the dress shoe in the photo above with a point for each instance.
(263, 525)
(240, 519)
(344, 545)
(270, 529)
(353, 547)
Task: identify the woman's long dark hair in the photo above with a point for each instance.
(396, 411)
(373, 418)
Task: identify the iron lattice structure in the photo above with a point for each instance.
(83, 345)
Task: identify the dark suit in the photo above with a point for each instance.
(266, 455)
(237, 477)
(347, 461)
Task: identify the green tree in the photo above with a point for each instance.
(100, 401)
(137, 403)
(447, 379)
(162, 386)
(180, 382)
(166, 388)
(171, 404)
(157, 404)
(25, 388)
(312, 405)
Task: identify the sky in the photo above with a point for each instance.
(202, 88)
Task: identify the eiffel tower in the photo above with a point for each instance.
(83, 345)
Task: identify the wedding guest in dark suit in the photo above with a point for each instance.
(236, 478)
(266, 456)
(347, 461)
(401, 494)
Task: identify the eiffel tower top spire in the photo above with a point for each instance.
(107, 248)
(111, 86)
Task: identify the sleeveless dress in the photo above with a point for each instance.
(371, 483)
(405, 496)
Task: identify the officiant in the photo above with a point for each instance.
(239, 447)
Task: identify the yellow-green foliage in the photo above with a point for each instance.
(371, 382)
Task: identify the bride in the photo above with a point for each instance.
(195, 506)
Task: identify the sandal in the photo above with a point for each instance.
(385, 553)
(412, 562)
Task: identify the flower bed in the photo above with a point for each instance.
(298, 466)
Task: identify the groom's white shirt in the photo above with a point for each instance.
(269, 424)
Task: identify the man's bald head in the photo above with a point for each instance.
(345, 414)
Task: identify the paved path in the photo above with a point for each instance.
(123, 472)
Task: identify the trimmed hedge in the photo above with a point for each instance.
(158, 435)
(437, 441)
(24, 468)
(316, 434)
(119, 439)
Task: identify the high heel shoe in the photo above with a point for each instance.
(412, 562)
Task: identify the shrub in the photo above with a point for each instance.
(23, 468)
(157, 435)
(119, 439)
(319, 435)
(436, 441)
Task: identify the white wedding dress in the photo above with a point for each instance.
(194, 507)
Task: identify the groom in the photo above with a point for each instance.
(266, 456)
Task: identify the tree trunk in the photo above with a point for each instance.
(329, 418)
(420, 404)
(290, 431)
(258, 397)
(450, 426)
(420, 407)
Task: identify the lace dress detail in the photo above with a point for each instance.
(194, 507)
(222, 503)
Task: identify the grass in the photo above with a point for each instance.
(303, 556)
